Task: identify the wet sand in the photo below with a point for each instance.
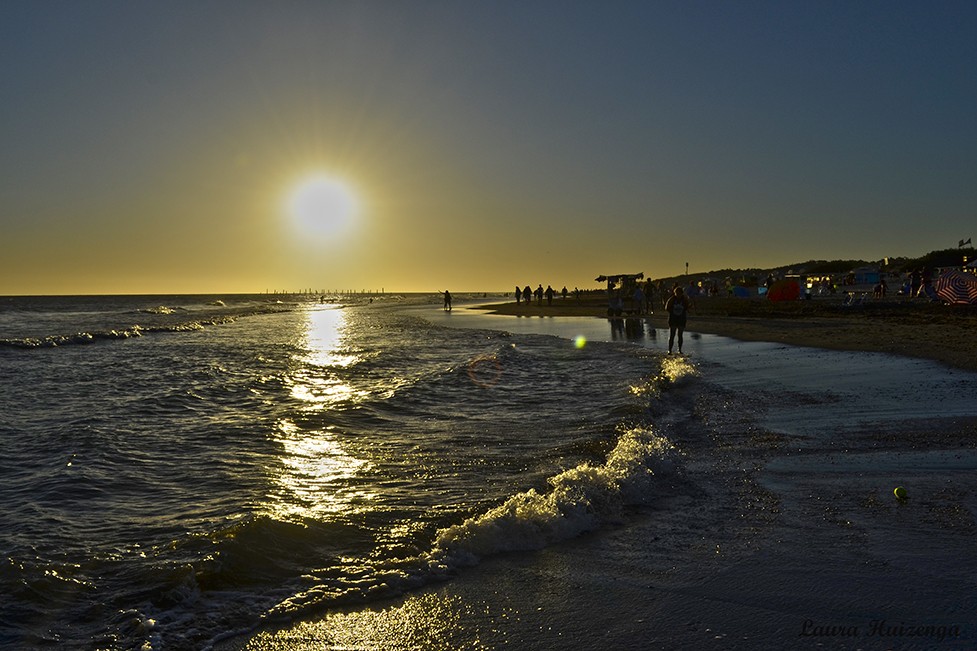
(947, 334)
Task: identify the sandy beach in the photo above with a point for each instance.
(781, 529)
(920, 329)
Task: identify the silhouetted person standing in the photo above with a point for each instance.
(915, 282)
(677, 306)
(637, 301)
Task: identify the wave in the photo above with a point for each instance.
(54, 341)
(580, 499)
(242, 561)
(639, 469)
(161, 309)
(636, 471)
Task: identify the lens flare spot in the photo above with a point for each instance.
(485, 370)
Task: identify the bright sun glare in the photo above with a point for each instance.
(321, 206)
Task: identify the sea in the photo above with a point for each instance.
(175, 468)
(179, 470)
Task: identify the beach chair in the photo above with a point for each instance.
(851, 299)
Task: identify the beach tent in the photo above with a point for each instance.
(628, 281)
(785, 290)
(616, 278)
(957, 287)
(865, 275)
(742, 292)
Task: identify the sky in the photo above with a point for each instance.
(423, 145)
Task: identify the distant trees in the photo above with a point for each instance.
(944, 258)
(826, 267)
(750, 277)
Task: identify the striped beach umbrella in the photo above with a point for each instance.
(957, 287)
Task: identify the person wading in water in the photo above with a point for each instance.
(677, 306)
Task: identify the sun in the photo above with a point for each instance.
(321, 205)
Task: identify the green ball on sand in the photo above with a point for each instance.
(900, 493)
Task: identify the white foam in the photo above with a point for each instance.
(580, 499)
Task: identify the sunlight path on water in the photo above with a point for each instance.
(317, 473)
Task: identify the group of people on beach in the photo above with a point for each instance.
(526, 294)
(677, 305)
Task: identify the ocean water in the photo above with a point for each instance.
(181, 471)
(178, 469)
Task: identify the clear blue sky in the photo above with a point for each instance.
(154, 146)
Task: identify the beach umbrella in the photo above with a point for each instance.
(785, 290)
(957, 287)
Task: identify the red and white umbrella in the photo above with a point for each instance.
(957, 287)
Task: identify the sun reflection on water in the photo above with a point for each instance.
(428, 621)
(318, 381)
(318, 475)
(324, 338)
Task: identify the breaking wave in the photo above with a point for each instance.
(580, 499)
(113, 334)
(638, 470)
(54, 341)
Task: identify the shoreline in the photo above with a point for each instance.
(942, 333)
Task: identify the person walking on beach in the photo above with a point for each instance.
(915, 282)
(447, 301)
(649, 296)
(677, 306)
(518, 294)
(549, 294)
(527, 295)
(539, 294)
